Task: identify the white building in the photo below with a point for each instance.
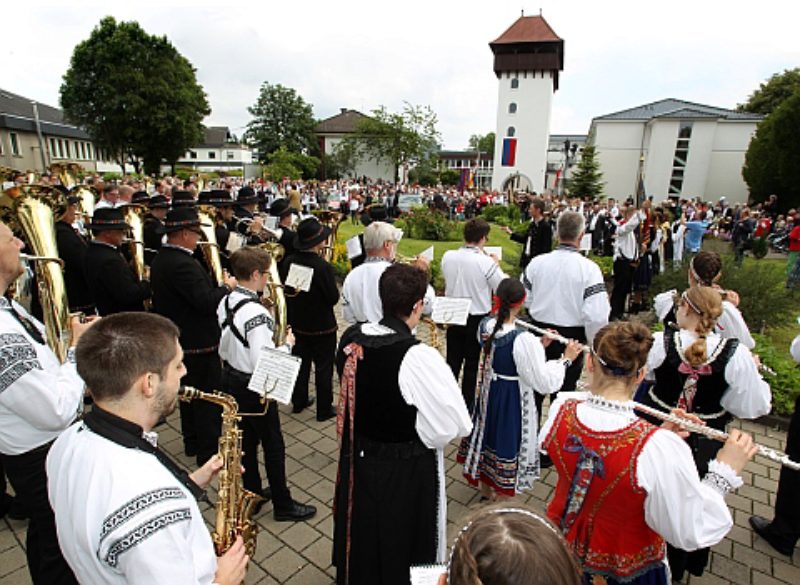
(563, 153)
(677, 148)
(218, 152)
(330, 133)
(527, 60)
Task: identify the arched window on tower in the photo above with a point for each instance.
(512, 108)
(511, 131)
(514, 83)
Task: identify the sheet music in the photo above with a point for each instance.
(299, 277)
(496, 250)
(427, 574)
(354, 248)
(275, 374)
(271, 222)
(427, 253)
(235, 241)
(586, 243)
(453, 311)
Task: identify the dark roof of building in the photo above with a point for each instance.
(16, 113)
(463, 154)
(527, 29)
(217, 137)
(345, 122)
(674, 108)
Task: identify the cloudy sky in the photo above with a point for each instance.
(361, 54)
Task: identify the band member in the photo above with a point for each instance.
(501, 455)
(469, 273)
(399, 406)
(223, 202)
(39, 398)
(310, 313)
(247, 222)
(626, 257)
(539, 237)
(620, 475)
(566, 292)
(714, 378)
(361, 301)
(72, 250)
(125, 512)
(110, 278)
(184, 292)
(183, 199)
(157, 206)
(783, 532)
(247, 327)
(285, 235)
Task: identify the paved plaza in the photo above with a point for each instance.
(299, 553)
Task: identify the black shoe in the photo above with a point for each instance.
(295, 513)
(761, 527)
(267, 495)
(6, 502)
(299, 408)
(326, 415)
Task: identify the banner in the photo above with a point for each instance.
(509, 152)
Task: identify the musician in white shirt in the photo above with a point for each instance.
(626, 252)
(471, 273)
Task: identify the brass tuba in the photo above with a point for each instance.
(236, 505)
(134, 217)
(330, 219)
(275, 297)
(30, 210)
(210, 246)
(68, 175)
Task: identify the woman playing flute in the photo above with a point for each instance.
(715, 378)
(624, 485)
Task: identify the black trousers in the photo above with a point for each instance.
(463, 349)
(27, 475)
(201, 420)
(321, 350)
(786, 524)
(623, 281)
(554, 351)
(259, 430)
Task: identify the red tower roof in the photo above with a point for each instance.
(527, 29)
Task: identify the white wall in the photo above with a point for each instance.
(531, 122)
(618, 147)
(731, 140)
(374, 169)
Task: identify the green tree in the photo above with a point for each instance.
(135, 94)
(405, 138)
(483, 143)
(281, 119)
(772, 161)
(587, 179)
(304, 164)
(772, 93)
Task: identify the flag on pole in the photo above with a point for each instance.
(509, 152)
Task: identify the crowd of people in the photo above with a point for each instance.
(636, 501)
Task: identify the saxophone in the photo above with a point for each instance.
(235, 505)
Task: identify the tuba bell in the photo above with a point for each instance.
(331, 219)
(275, 297)
(134, 217)
(68, 175)
(209, 246)
(30, 210)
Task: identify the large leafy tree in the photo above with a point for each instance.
(405, 138)
(135, 94)
(587, 179)
(772, 93)
(281, 119)
(772, 161)
(482, 142)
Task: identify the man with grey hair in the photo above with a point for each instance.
(566, 292)
(361, 302)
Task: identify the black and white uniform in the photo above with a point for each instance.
(247, 327)
(123, 517)
(626, 252)
(361, 299)
(469, 273)
(39, 398)
(566, 292)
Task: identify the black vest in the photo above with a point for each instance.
(710, 387)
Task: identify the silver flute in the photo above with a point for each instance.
(550, 334)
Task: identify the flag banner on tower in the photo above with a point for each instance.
(509, 152)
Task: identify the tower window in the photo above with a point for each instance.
(512, 108)
(514, 83)
(511, 131)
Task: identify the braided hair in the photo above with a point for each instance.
(706, 268)
(510, 293)
(705, 302)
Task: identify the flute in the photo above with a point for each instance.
(550, 334)
(767, 452)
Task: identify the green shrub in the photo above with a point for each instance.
(502, 214)
(606, 263)
(423, 223)
(785, 385)
(108, 177)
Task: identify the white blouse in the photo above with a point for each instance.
(687, 512)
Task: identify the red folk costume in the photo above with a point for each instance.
(598, 504)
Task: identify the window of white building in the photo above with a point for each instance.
(212, 154)
(511, 131)
(512, 108)
(680, 157)
(14, 141)
(514, 83)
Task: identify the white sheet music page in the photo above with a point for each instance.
(353, 246)
(275, 375)
(427, 574)
(299, 277)
(494, 251)
(453, 311)
(427, 253)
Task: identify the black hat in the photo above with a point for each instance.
(73, 199)
(181, 218)
(158, 202)
(108, 218)
(246, 196)
(216, 197)
(281, 208)
(310, 233)
(377, 212)
(61, 188)
(182, 199)
(140, 198)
